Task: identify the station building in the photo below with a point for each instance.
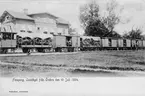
(33, 25)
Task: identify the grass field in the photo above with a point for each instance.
(108, 60)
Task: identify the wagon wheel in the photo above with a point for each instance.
(25, 50)
(3, 50)
(19, 39)
(40, 50)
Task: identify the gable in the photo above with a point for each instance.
(6, 17)
(16, 15)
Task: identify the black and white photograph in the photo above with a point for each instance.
(72, 47)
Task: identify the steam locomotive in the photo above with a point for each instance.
(10, 41)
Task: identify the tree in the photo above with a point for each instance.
(96, 28)
(134, 34)
(112, 18)
(126, 35)
(91, 20)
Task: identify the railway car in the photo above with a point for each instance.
(106, 43)
(140, 44)
(109, 43)
(7, 41)
(90, 43)
(136, 44)
(114, 44)
(120, 44)
(133, 44)
(66, 43)
(76, 43)
(126, 44)
(34, 42)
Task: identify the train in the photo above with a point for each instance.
(11, 41)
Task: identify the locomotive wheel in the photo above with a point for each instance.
(58, 50)
(65, 50)
(25, 50)
(47, 50)
(70, 49)
(4, 51)
(40, 50)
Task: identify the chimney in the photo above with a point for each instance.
(25, 11)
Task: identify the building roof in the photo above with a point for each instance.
(21, 15)
(61, 21)
(58, 20)
(42, 13)
(17, 15)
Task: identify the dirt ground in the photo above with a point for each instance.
(88, 64)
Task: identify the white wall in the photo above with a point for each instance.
(26, 25)
(45, 23)
(63, 29)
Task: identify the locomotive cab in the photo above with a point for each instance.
(7, 41)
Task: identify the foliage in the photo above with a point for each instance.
(89, 12)
(112, 17)
(134, 34)
(90, 19)
(96, 25)
(96, 28)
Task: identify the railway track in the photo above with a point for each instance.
(33, 54)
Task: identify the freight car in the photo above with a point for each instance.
(109, 43)
(66, 43)
(89, 43)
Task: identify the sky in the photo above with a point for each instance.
(134, 11)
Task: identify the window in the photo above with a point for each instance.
(15, 36)
(29, 31)
(59, 33)
(45, 32)
(7, 17)
(4, 29)
(7, 36)
(38, 28)
(22, 30)
(29, 28)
